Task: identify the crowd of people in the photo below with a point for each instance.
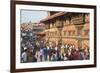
(66, 52)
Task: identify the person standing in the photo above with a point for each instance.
(24, 55)
(45, 53)
(41, 54)
(75, 55)
(37, 55)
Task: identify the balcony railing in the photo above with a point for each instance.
(78, 20)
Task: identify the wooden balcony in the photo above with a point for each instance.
(78, 20)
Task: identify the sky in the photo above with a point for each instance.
(32, 15)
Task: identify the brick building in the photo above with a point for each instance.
(67, 28)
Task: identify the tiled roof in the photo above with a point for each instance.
(53, 16)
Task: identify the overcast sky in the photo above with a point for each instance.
(33, 16)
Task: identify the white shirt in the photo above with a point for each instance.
(24, 57)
